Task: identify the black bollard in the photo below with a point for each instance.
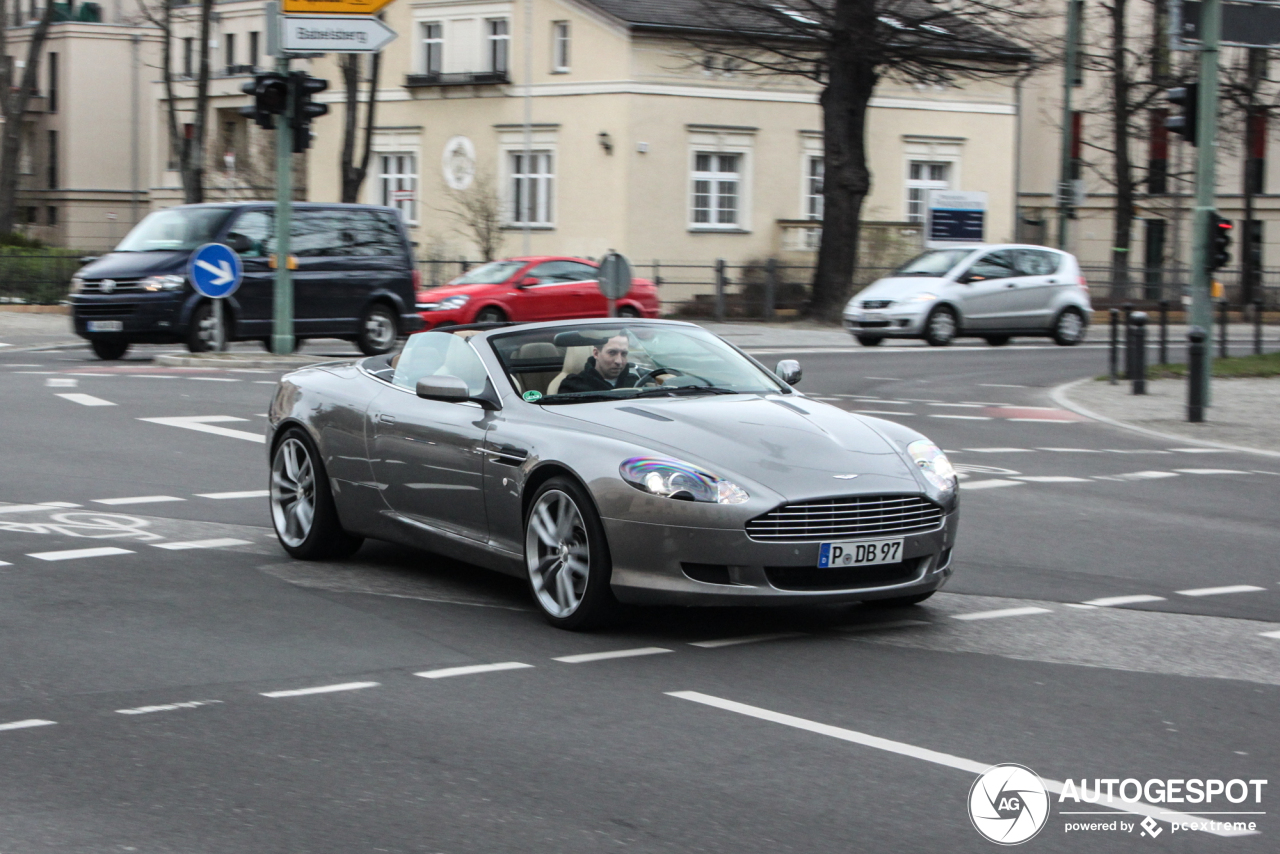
(1115, 343)
(1196, 352)
(1257, 327)
(1128, 341)
(1139, 321)
(1164, 332)
(1222, 329)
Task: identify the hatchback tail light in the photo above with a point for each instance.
(1084, 286)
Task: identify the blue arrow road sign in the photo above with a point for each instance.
(215, 270)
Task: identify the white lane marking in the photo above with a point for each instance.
(138, 499)
(215, 379)
(1269, 635)
(1051, 478)
(1043, 421)
(1109, 601)
(76, 554)
(205, 424)
(153, 376)
(999, 385)
(1199, 450)
(85, 399)
(27, 508)
(999, 450)
(1135, 451)
(1071, 450)
(989, 484)
(5, 563)
(203, 544)
(1219, 591)
(885, 379)
(223, 496)
(26, 724)
(61, 382)
(246, 371)
(168, 707)
(470, 669)
(265, 382)
(604, 656)
(881, 412)
(961, 405)
(1210, 471)
(58, 504)
(1080, 606)
(871, 627)
(924, 754)
(717, 644)
(963, 417)
(1003, 612)
(1147, 475)
(320, 689)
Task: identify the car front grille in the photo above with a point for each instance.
(106, 309)
(844, 577)
(854, 516)
(94, 286)
(877, 303)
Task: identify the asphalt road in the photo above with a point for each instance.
(158, 657)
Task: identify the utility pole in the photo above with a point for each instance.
(282, 340)
(1206, 158)
(1070, 62)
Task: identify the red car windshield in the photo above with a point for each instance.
(493, 273)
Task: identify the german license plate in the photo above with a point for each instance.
(106, 326)
(859, 553)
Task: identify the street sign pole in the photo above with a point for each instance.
(1206, 157)
(282, 340)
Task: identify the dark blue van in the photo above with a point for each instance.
(355, 278)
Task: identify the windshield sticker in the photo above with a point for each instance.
(532, 395)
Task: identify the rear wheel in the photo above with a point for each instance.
(567, 557)
(109, 349)
(1069, 328)
(491, 314)
(997, 340)
(940, 327)
(870, 340)
(377, 331)
(302, 508)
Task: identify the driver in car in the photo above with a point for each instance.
(606, 368)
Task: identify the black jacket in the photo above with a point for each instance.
(589, 379)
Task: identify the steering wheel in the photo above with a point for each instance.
(656, 372)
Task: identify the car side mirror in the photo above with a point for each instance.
(968, 279)
(788, 370)
(238, 242)
(527, 282)
(441, 387)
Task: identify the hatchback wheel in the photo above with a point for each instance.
(941, 327)
(1069, 328)
(377, 331)
(302, 508)
(567, 557)
(109, 349)
(491, 314)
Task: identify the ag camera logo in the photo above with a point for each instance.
(1008, 804)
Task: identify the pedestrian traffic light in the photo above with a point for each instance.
(304, 109)
(270, 92)
(1219, 241)
(1184, 123)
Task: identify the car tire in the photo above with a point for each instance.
(109, 349)
(941, 327)
(628, 311)
(901, 601)
(378, 331)
(303, 512)
(1069, 328)
(567, 557)
(491, 314)
(870, 340)
(997, 340)
(201, 334)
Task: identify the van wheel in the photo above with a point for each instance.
(870, 340)
(108, 349)
(1069, 328)
(940, 327)
(377, 331)
(997, 340)
(202, 334)
(491, 314)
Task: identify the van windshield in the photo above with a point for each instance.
(181, 229)
(935, 263)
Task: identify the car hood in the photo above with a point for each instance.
(901, 288)
(136, 265)
(795, 447)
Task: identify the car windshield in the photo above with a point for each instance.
(492, 273)
(616, 361)
(175, 229)
(936, 263)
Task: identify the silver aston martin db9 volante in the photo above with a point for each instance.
(606, 461)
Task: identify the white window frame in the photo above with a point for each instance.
(561, 35)
(923, 186)
(498, 44)
(813, 198)
(396, 179)
(542, 182)
(544, 139)
(715, 180)
(431, 45)
(716, 140)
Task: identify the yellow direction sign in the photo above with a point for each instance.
(332, 7)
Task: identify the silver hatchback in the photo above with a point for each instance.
(991, 292)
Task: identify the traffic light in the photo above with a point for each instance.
(270, 93)
(1219, 241)
(304, 109)
(1184, 123)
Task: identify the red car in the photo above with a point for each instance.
(542, 288)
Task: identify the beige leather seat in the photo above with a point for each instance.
(535, 380)
(575, 359)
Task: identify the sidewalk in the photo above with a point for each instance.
(1245, 413)
(32, 329)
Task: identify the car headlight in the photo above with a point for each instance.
(77, 284)
(934, 465)
(923, 298)
(681, 481)
(162, 283)
(450, 303)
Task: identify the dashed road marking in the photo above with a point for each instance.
(470, 669)
(882, 412)
(1043, 420)
(207, 424)
(998, 450)
(27, 508)
(1111, 601)
(320, 689)
(5, 563)
(168, 707)
(225, 496)
(1003, 612)
(999, 385)
(76, 554)
(27, 724)
(1069, 450)
(960, 405)
(85, 399)
(203, 544)
(1219, 591)
(138, 499)
(1200, 450)
(1210, 471)
(1046, 478)
(990, 484)
(723, 642)
(61, 382)
(1269, 635)
(962, 417)
(215, 379)
(585, 657)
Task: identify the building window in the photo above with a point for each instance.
(29, 215)
(230, 39)
(53, 160)
(813, 174)
(432, 47)
(398, 178)
(253, 49)
(532, 187)
(499, 45)
(53, 215)
(53, 83)
(188, 57)
(923, 176)
(560, 46)
(716, 189)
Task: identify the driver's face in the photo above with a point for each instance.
(611, 359)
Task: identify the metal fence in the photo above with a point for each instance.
(1148, 286)
(42, 278)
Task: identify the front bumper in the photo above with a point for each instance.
(656, 564)
(890, 324)
(434, 319)
(144, 317)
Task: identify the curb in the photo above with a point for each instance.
(37, 348)
(175, 360)
(1058, 394)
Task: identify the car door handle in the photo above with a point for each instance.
(1011, 285)
(384, 418)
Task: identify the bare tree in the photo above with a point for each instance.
(477, 214)
(846, 47)
(352, 175)
(14, 101)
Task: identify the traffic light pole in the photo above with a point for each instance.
(1206, 156)
(282, 339)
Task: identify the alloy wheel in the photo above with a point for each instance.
(293, 492)
(942, 326)
(558, 553)
(379, 330)
(1070, 325)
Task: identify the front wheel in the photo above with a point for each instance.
(109, 349)
(490, 314)
(377, 331)
(870, 340)
(628, 311)
(1069, 328)
(567, 557)
(941, 327)
(202, 334)
(302, 507)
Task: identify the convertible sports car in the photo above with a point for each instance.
(607, 460)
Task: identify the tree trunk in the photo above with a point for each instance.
(851, 79)
(193, 167)
(13, 104)
(353, 175)
(1121, 86)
